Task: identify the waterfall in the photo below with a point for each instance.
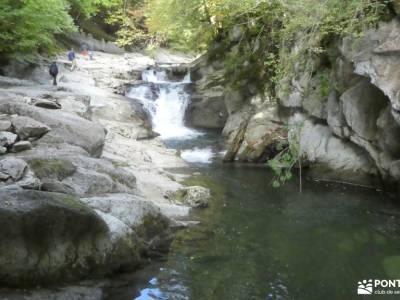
(166, 101)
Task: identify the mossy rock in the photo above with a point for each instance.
(52, 168)
(46, 238)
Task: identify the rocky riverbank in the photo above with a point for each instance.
(344, 101)
(83, 185)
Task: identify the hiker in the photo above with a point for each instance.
(72, 59)
(90, 55)
(53, 70)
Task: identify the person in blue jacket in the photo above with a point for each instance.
(72, 59)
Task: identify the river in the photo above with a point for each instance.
(256, 241)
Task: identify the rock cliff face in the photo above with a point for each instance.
(348, 109)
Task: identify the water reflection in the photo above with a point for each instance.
(256, 242)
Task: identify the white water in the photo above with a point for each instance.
(198, 155)
(166, 102)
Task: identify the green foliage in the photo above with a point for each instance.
(254, 58)
(191, 24)
(29, 25)
(128, 17)
(289, 157)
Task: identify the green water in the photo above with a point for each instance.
(257, 242)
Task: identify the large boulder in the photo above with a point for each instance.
(48, 237)
(85, 175)
(27, 128)
(263, 133)
(134, 214)
(16, 172)
(321, 147)
(193, 196)
(130, 209)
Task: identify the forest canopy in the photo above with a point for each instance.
(33, 25)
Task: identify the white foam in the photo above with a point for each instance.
(198, 155)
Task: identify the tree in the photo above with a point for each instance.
(28, 26)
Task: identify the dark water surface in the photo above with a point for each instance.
(257, 242)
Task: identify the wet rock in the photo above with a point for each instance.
(7, 139)
(3, 150)
(127, 213)
(21, 146)
(193, 196)
(27, 127)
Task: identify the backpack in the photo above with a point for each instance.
(53, 70)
